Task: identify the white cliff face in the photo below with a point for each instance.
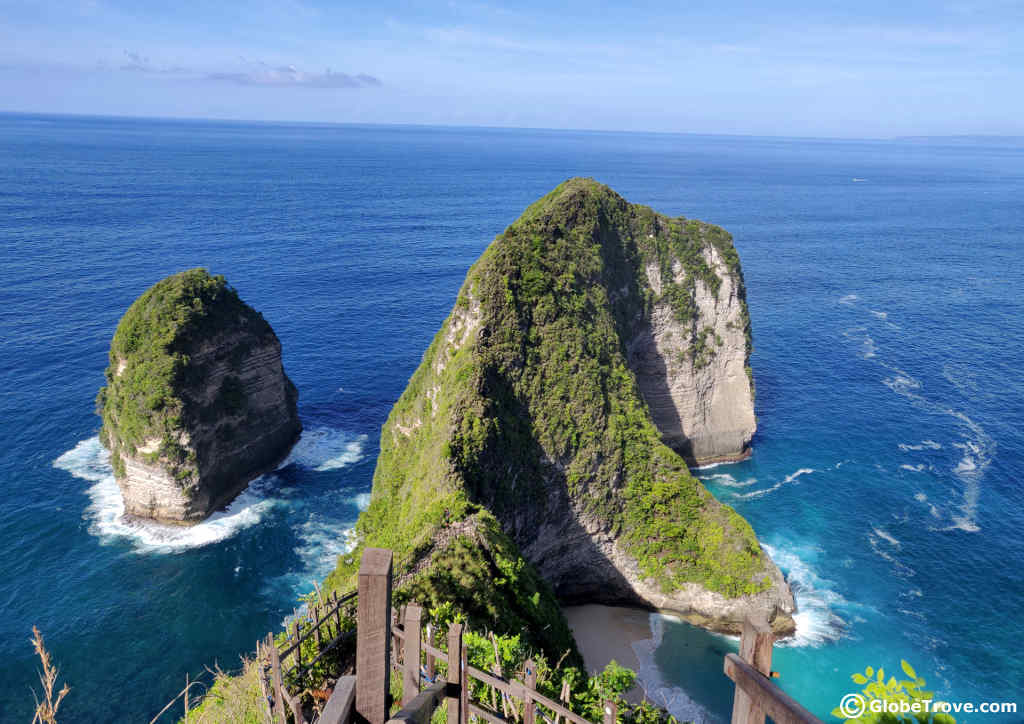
(701, 402)
(230, 443)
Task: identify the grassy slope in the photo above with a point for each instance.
(542, 388)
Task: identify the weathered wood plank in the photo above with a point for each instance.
(610, 711)
(411, 656)
(455, 673)
(772, 700)
(464, 690)
(755, 649)
(341, 706)
(278, 684)
(437, 653)
(373, 635)
(421, 707)
(554, 706)
(430, 666)
(531, 684)
(486, 714)
(484, 677)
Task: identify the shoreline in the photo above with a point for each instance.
(607, 633)
(631, 637)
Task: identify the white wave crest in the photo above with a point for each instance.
(89, 460)
(849, 299)
(817, 619)
(765, 491)
(728, 480)
(325, 448)
(875, 540)
(321, 542)
(923, 445)
(885, 535)
(868, 349)
(879, 315)
(361, 501)
(914, 468)
(656, 688)
(978, 448)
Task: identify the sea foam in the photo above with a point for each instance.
(319, 449)
(765, 491)
(817, 618)
(326, 448)
(89, 460)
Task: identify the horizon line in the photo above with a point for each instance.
(201, 119)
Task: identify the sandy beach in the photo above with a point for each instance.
(606, 633)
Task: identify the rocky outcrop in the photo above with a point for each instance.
(197, 403)
(593, 350)
(695, 374)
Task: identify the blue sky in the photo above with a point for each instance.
(846, 69)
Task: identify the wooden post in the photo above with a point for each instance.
(431, 668)
(298, 648)
(337, 614)
(275, 673)
(464, 685)
(455, 673)
(411, 657)
(316, 624)
(611, 710)
(373, 636)
(756, 649)
(529, 707)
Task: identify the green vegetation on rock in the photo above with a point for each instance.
(143, 405)
(525, 392)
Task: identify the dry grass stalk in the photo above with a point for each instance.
(46, 710)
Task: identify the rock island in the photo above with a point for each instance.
(197, 403)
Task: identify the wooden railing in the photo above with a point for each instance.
(756, 693)
(324, 621)
(400, 643)
(419, 659)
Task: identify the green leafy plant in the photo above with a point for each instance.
(897, 699)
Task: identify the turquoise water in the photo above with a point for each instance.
(888, 336)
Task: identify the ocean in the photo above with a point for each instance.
(883, 282)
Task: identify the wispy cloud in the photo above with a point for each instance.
(289, 76)
(253, 73)
(137, 63)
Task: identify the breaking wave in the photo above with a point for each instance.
(89, 460)
(765, 491)
(817, 605)
(727, 480)
(319, 449)
(326, 448)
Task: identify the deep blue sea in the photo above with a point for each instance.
(884, 284)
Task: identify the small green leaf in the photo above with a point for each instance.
(869, 672)
(838, 714)
(881, 674)
(908, 669)
(859, 679)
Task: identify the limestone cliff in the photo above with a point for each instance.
(197, 403)
(594, 348)
(692, 360)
